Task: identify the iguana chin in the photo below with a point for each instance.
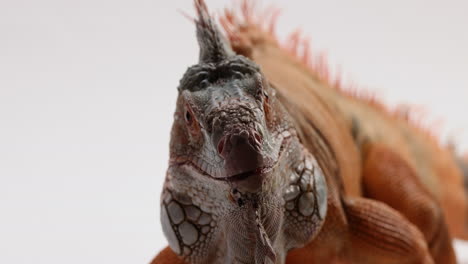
(268, 164)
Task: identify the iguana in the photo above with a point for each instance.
(270, 164)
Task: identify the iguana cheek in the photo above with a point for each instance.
(168, 229)
(186, 226)
(305, 201)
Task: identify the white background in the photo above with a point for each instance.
(87, 92)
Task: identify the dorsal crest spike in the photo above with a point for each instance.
(213, 46)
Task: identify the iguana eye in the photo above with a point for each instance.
(191, 121)
(265, 93)
(238, 75)
(203, 84)
(188, 117)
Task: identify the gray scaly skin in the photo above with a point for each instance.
(240, 187)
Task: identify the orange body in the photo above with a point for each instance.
(399, 197)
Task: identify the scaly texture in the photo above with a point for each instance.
(270, 165)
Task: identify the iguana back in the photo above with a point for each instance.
(368, 122)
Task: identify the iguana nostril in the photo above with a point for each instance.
(221, 145)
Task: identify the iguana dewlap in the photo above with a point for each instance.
(270, 164)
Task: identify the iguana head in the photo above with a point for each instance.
(235, 160)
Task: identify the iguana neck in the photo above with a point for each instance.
(254, 228)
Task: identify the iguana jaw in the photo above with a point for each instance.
(248, 181)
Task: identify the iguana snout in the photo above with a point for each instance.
(239, 136)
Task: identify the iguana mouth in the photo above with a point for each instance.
(244, 175)
(250, 179)
(233, 178)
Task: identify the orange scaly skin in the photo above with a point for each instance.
(394, 194)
